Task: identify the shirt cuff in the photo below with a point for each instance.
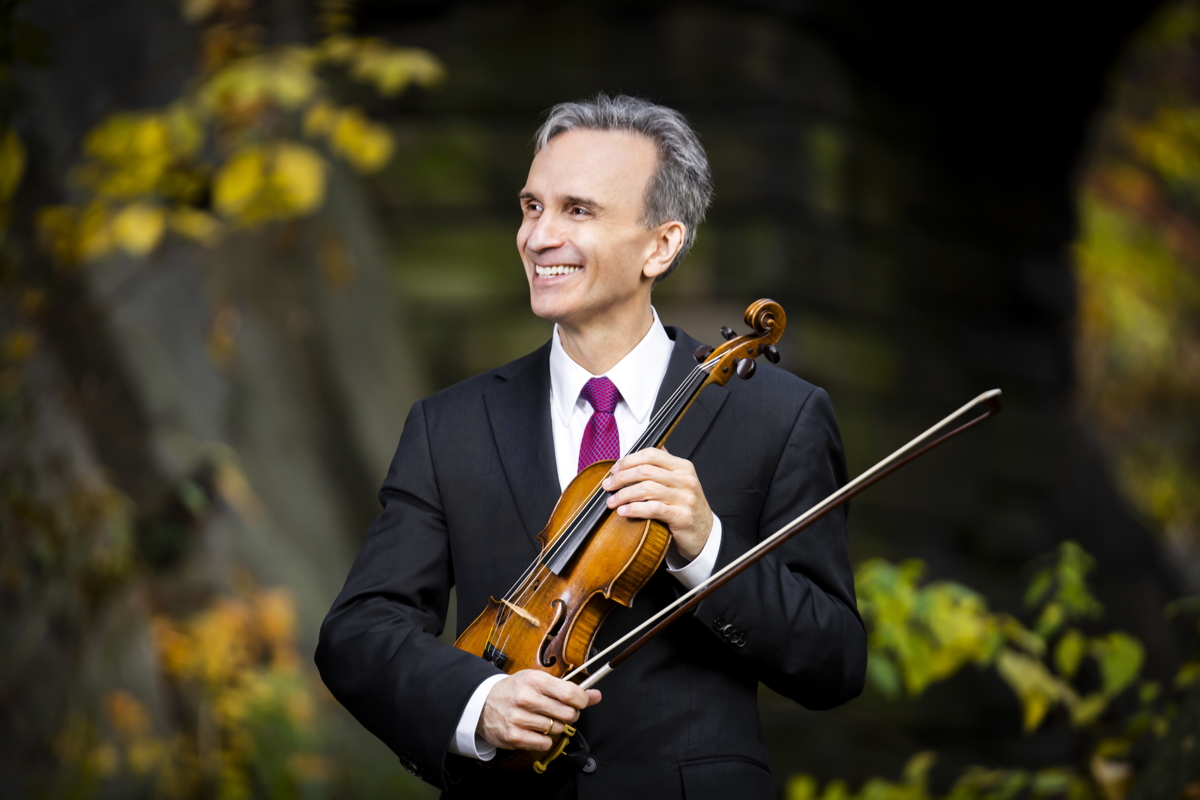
(465, 741)
(699, 568)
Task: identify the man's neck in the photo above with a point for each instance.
(600, 346)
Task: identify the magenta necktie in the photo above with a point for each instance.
(601, 442)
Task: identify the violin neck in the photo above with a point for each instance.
(664, 421)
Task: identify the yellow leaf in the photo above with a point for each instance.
(184, 130)
(18, 346)
(196, 10)
(138, 228)
(95, 238)
(196, 225)
(365, 144)
(1069, 653)
(238, 181)
(1188, 674)
(12, 163)
(801, 787)
(299, 173)
(320, 119)
(1089, 709)
(1036, 688)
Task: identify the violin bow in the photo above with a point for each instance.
(988, 401)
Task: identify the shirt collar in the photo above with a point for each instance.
(636, 376)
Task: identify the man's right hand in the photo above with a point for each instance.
(526, 709)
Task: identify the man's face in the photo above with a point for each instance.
(585, 252)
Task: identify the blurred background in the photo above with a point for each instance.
(240, 238)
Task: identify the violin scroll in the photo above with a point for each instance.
(767, 319)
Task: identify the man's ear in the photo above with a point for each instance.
(667, 243)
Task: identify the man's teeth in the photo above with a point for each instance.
(546, 272)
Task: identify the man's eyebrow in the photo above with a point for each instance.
(526, 196)
(582, 201)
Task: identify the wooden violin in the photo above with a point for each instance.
(593, 559)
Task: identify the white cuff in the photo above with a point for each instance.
(465, 741)
(700, 567)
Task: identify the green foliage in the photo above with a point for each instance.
(1138, 266)
(235, 669)
(921, 634)
(976, 783)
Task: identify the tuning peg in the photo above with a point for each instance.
(702, 352)
(746, 367)
(772, 353)
(728, 332)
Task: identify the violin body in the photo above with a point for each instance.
(550, 625)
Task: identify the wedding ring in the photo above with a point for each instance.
(549, 727)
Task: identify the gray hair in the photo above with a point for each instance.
(681, 188)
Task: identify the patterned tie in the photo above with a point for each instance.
(601, 442)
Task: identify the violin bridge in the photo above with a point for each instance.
(523, 614)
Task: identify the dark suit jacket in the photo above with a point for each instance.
(473, 482)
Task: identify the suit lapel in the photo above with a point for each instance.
(696, 421)
(519, 413)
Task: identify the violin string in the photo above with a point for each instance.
(588, 505)
(684, 392)
(499, 627)
(539, 569)
(686, 389)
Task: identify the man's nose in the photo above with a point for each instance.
(547, 234)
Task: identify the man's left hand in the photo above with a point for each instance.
(653, 484)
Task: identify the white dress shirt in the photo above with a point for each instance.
(637, 377)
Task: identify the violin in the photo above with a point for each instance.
(592, 559)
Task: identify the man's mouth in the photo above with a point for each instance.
(550, 272)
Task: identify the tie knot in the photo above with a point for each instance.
(602, 394)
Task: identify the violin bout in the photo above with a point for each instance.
(549, 621)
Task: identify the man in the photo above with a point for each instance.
(614, 194)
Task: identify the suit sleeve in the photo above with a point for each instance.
(794, 611)
(378, 652)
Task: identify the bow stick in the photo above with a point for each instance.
(688, 601)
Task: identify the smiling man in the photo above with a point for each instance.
(614, 195)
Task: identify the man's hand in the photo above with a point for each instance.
(528, 707)
(653, 484)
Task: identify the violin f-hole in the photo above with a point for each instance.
(559, 607)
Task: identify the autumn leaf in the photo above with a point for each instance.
(239, 181)
(138, 228)
(12, 163)
(299, 172)
(1069, 652)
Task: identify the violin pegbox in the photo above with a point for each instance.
(737, 356)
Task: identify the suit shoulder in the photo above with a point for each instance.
(779, 388)
(472, 389)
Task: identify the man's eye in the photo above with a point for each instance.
(578, 211)
(532, 208)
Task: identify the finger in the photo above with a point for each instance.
(644, 472)
(556, 689)
(650, 455)
(522, 739)
(652, 509)
(541, 724)
(645, 490)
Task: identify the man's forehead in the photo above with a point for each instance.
(587, 163)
